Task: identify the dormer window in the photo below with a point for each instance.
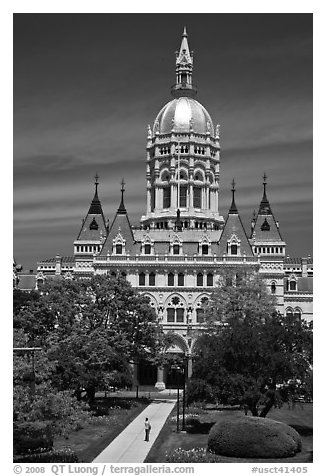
(176, 249)
(233, 245)
(234, 249)
(204, 249)
(93, 225)
(119, 245)
(265, 226)
(293, 286)
(147, 249)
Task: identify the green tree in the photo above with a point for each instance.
(247, 350)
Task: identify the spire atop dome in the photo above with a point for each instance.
(122, 209)
(184, 67)
(233, 209)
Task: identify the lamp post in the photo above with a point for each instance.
(177, 368)
(184, 395)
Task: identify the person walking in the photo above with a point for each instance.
(147, 429)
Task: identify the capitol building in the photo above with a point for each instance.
(176, 253)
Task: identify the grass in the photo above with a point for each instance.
(168, 440)
(91, 440)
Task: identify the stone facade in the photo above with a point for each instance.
(182, 244)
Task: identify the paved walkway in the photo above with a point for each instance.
(129, 446)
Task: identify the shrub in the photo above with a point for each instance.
(32, 437)
(200, 391)
(253, 437)
(59, 456)
(195, 455)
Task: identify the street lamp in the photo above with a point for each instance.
(177, 368)
(184, 395)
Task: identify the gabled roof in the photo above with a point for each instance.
(93, 226)
(120, 226)
(234, 228)
(265, 228)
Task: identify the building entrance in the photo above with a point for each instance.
(147, 373)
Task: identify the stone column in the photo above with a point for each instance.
(148, 199)
(160, 385)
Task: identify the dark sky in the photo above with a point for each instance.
(87, 85)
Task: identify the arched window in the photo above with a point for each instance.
(118, 249)
(170, 279)
(297, 314)
(289, 312)
(197, 197)
(181, 279)
(166, 197)
(151, 280)
(147, 249)
(200, 279)
(273, 288)
(209, 279)
(141, 279)
(176, 249)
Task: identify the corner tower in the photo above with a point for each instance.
(183, 158)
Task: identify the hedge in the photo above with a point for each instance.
(253, 437)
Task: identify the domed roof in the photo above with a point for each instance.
(180, 114)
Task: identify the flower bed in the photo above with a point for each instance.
(195, 455)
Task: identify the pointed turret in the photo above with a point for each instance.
(233, 209)
(265, 235)
(94, 229)
(184, 67)
(120, 239)
(234, 240)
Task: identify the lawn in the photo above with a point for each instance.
(168, 440)
(91, 440)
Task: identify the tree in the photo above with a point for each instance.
(36, 400)
(247, 350)
(93, 329)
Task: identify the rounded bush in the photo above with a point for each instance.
(253, 437)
